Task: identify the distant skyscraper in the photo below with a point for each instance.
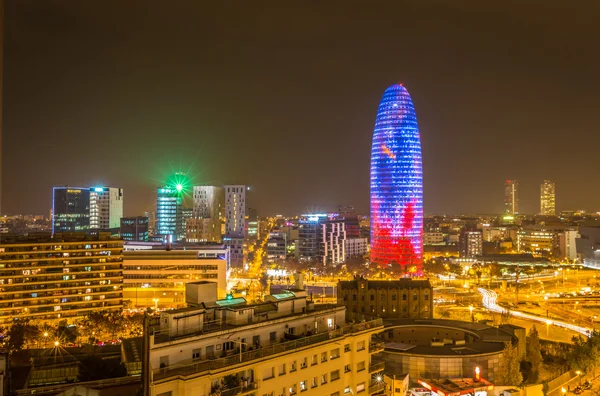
(470, 243)
(235, 222)
(106, 208)
(209, 208)
(252, 224)
(70, 209)
(235, 211)
(547, 199)
(169, 211)
(511, 197)
(397, 184)
(151, 223)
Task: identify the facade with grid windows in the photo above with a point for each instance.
(284, 346)
(157, 277)
(404, 298)
(62, 277)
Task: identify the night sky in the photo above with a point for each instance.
(283, 95)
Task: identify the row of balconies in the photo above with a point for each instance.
(216, 364)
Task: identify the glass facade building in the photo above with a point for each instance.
(70, 209)
(134, 229)
(169, 213)
(397, 184)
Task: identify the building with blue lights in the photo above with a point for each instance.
(169, 214)
(70, 209)
(397, 184)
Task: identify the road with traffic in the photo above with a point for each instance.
(490, 297)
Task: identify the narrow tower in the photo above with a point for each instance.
(397, 184)
(547, 199)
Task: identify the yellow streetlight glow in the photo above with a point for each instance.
(56, 343)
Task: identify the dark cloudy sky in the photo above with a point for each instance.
(282, 95)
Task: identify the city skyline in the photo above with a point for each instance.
(485, 99)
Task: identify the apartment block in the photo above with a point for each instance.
(60, 277)
(283, 346)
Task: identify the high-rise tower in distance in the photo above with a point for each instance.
(169, 208)
(70, 209)
(511, 197)
(547, 199)
(397, 184)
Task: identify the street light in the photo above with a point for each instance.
(563, 390)
(56, 343)
(579, 375)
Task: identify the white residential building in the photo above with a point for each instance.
(281, 347)
(356, 247)
(106, 207)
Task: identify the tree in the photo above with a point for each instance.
(584, 353)
(20, 333)
(534, 355)
(510, 375)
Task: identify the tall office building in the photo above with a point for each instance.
(70, 209)
(470, 243)
(106, 208)
(308, 247)
(397, 184)
(169, 211)
(235, 211)
(547, 199)
(208, 212)
(511, 197)
(151, 223)
(235, 222)
(253, 232)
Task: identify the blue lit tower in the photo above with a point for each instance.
(397, 184)
(170, 224)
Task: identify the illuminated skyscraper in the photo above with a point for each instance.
(397, 184)
(70, 209)
(547, 199)
(169, 210)
(511, 197)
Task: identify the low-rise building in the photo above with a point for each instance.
(588, 245)
(134, 229)
(403, 298)
(156, 276)
(283, 346)
(433, 238)
(60, 277)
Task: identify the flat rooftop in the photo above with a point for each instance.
(403, 283)
(213, 327)
(488, 339)
(456, 385)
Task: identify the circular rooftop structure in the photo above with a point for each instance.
(437, 348)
